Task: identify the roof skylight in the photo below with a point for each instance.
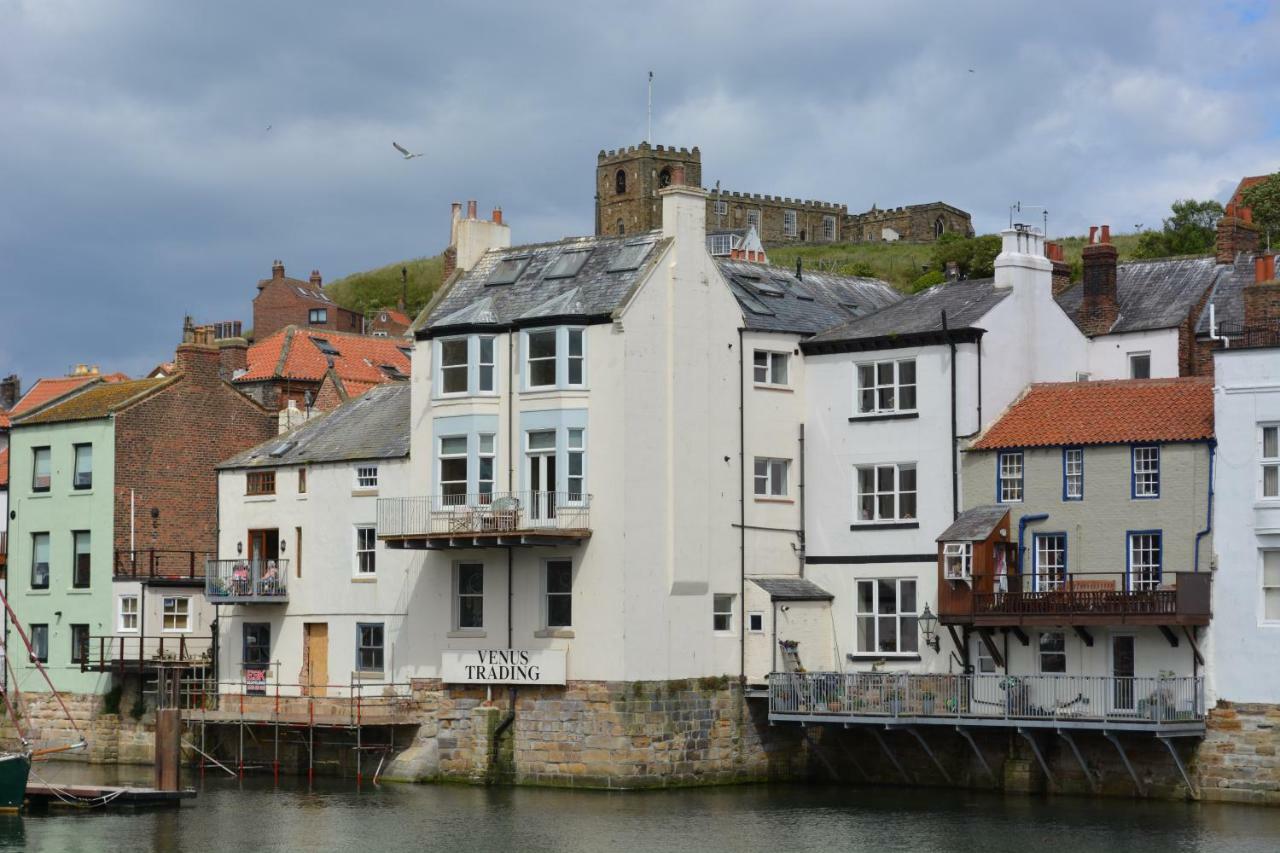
(507, 270)
(630, 257)
(324, 346)
(567, 264)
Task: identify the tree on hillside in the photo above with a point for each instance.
(976, 256)
(1263, 199)
(1191, 230)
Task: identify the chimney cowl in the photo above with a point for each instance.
(471, 209)
(277, 269)
(497, 215)
(315, 278)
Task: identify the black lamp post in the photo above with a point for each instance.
(929, 629)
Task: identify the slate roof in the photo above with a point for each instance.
(95, 402)
(593, 292)
(1152, 295)
(805, 305)
(966, 302)
(792, 589)
(974, 524)
(1116, 412)
(374, 425)
(292, 354)
(1227, 295)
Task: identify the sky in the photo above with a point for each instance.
(155, 157)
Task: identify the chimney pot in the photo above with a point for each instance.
(1106, 234)
(471, 210)
(497, 215)
(1093, 233)
(277, 269)
(315, 278)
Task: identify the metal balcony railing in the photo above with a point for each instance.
(1141, 702)
(247, 581)
(1171, 596)
(160, 564)
(488, 513)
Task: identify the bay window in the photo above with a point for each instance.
(453, 366)
(886, 387)
(467, 365)
(1270, 458)
(886, 493)
(484, 474)
(555, 358)
(576, 479)
(453, 470)
(886, 614)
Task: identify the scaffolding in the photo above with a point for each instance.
(254, 704)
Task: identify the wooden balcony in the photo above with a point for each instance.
(488, 520)
(134, 653)
(160, 566)
(1076, 598)
(247, 581)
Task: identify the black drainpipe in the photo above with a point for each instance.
(511, 486)
(955, 472)
(802, 527)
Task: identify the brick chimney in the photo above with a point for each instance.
(1262, 297)
(316, 280)
(10, 391)
(1099, 309)
(1236, 233)
(198, 357)
(233, 357)
(277, 269)
(472, 237)
(1061, 269)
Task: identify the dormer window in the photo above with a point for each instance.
(508, 270)
(957, 561)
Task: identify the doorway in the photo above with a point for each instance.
(542, 475)
(315, 658)
(264, 545)
(1123, 669)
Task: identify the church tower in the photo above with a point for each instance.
(627, 184)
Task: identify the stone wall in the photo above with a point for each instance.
(116, 738)
(1237, 761)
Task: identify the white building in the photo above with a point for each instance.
(308, 598)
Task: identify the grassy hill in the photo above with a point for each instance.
(901, 264)
(381, 287)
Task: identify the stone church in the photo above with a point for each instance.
(628, 180)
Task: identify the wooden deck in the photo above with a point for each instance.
(41, 795)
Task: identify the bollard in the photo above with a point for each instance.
(168, 749)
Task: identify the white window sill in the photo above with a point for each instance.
(80, 591)
(467, 634)
(725, 635)
(369, 675)
(575, 391)
(39, 592)
(175, 631)
(774, 499)
(364, 493)
(76, 493)
(369, 578)
(39, 496)
(554, 634)
(258, 499)
(769, 386)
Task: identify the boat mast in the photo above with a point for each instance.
(39, 666)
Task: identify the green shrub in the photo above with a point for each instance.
(111, 701)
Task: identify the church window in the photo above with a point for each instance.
(620, 181)
(938, 227)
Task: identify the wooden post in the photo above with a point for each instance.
(168, 748)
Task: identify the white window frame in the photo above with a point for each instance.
(366, 477)
(529, 359)
(1270, 586)
(459, 595)
(886, 392)
(1145, 470)
(1073, 473)
(564, 360)
(775, 480)
(985, 663)
(723, 606)
(877, 492)
(752, 618)
(772, 368)
(121, 613)
(753, 220)
(1050, 572)
(899, 616)
(547, 593)
(1041, 652)
(486, 463)
(828, 227)
(720, 245)
(722, 207)
(579, 334)
(575, 460)
(486, 364)
(362, 567)
(441, 457)
(1011, 476)
(183, 612)
(1143, 574)
(1133, 356)
(1269, 462)
(464, 367)
(790, 224)
(957, 561)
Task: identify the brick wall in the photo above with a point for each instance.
(167, 447)
(278, 305)
(1262, 304)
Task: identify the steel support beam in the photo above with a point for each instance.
(853, 758)
(967, 735)
(990, 642)
(1083, 634)
(1137, 783)
(1088, 774)
(1195, 647)
(1020, 634)
(1035, 748)
(1169, 635)
(814, 750)
(1177, 759)
(884, 744)
(929, 751)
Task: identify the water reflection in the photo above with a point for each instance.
(255, 815)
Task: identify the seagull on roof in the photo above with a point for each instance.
(404, 151)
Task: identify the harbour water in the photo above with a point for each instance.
(334, 815)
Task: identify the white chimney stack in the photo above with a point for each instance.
(1021, 262)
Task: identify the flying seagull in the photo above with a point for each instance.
(404, 151)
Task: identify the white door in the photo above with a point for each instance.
(542, 477)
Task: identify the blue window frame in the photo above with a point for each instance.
(1073, 473)
(1050, 563)
(1009, 476)
(1144, 559)
(1144, 471)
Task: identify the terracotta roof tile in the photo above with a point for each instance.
(4, 420)
(96, 402)
(292, 354)
(4, 468)
(1116, 412)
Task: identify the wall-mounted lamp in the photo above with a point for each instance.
(282, 544)
(239, 547)
(929, 629)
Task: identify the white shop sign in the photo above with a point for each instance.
(503, 666)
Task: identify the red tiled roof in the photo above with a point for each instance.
(291, 354)
(4, 420)
(97, 402)
(46, 390)
(4, 468)
(1116, 412)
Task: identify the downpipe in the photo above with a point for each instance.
(1208, 512)
(1022, 529)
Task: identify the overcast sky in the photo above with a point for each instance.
(139, 181)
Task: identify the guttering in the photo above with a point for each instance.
(1208, 512)
(1022, 528)
(968, 334)
(510, 326)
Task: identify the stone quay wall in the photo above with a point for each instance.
(111, 738)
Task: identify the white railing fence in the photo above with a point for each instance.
(483, 513)
(246, 579)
